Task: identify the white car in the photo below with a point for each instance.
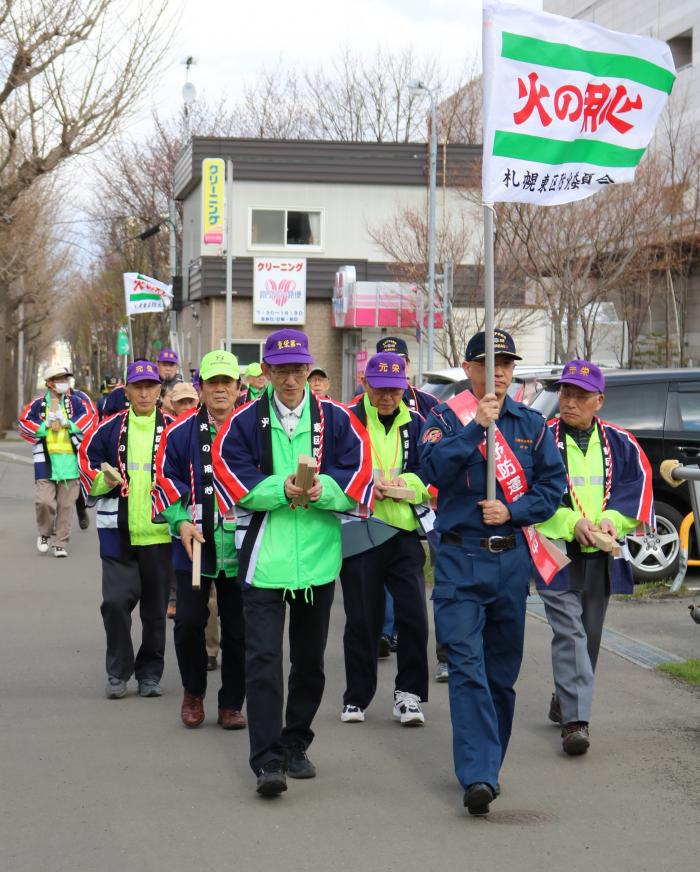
(527, 381)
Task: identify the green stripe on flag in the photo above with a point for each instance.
(136, 297)
(598, 63)
(523, 146)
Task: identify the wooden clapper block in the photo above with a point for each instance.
(55, 426)
(304, 478)
(399, 493)
(196, 564)
(605, 542)
(113, 472)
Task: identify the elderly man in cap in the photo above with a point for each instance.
(290, 548)
(319, 382)
(483, 564)
(183, 398)
(117, 471)
(416, 400)
(111, 382)
(54, 423)
(608, 490)
(185, 496)
(255, 383)
(392, 554)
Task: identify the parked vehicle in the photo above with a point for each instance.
(445, 383)
(662, 409)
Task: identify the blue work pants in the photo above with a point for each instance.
(479, 603)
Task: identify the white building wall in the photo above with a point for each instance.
(348, 213)
(662, 19)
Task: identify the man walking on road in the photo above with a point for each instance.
(54, 423)
(609, 491)
(117, 470)
(483, 565)
(185, 480)
(290, 553)
(397, 558)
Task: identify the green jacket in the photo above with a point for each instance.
(224, 535)
(586, 473)
(301, 547)
(387, 460)
(142, 530)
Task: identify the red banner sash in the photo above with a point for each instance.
(548, 559)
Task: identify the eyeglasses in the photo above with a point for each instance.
(576, 395)
(284, 371)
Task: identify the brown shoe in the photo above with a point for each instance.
(574, 738)
(192, 711)
(555, 710)
(231, 719)
(172, 608)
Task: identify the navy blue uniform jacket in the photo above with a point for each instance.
(452, 462)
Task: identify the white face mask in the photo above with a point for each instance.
(61, 387)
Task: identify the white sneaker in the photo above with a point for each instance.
(407, 709)
(352, 714)
(441, 672)
(59, 552)
(42, 544)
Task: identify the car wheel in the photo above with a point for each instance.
(655, 554)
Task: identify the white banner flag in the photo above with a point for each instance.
(569, 107)
(143, 294)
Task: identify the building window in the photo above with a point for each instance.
(682, 49)
(285, 228)
(246, 351)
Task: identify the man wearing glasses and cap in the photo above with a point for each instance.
(54, 423)
(185, 496)
(391, 555)
(416, 399)
(608, 490)
(117, 471)
(483, 564)
(290, 547)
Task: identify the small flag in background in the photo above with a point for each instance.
(143, 294)
(569, 107)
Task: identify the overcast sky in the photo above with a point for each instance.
(232, 42)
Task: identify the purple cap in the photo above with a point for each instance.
(142, 370)
(287, 346)
(583, 374)
(167, 355)
(386, 370)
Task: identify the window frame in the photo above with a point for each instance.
(264, 246)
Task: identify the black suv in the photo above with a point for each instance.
(662, 409)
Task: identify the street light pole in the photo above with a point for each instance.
(415, 88)
(431, 229)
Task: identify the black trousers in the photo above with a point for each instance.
(190, 645)
(265, 612)
(398, 564)
(142, 576)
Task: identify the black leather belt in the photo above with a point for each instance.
(494, 544)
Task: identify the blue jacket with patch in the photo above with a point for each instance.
(451, 460)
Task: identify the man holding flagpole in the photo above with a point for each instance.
(483, 565)
(569, 109)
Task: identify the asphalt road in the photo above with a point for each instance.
(91, 785)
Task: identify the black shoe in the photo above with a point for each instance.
(271, 779)
(384, 647)
(393, 644)
(554, 710)
(212, 664)
(298, 764)
(478, 797)
(83, 520)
